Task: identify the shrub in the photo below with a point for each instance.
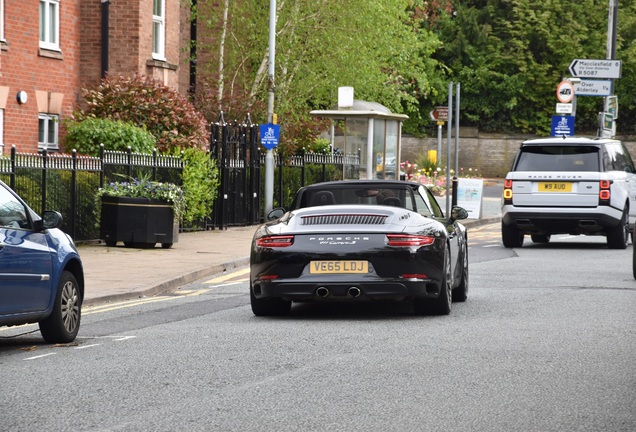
(87, 135)
(143, 101)
(200, 183)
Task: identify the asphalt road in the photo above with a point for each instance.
(545, 342)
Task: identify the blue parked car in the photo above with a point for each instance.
(41, 274)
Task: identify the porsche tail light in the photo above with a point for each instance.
(275, 241)
(406, 240)
(507, 192)
(268, 277)
(604, 193)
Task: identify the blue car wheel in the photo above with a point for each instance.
(64, 322)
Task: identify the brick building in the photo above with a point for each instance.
(51, 49)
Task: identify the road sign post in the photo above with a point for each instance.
(440, 115)
(270, 133)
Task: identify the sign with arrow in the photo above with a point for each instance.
(440, 113)
(607, 69)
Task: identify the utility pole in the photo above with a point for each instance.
(612, 24)
(449, 134)
(269, 157)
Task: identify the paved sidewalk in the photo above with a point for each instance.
(119, 273)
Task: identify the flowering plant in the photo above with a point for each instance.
(144, 188)
(434, 178)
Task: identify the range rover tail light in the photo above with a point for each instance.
(604, 193)
(507, 192)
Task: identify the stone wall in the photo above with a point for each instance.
(490, 154)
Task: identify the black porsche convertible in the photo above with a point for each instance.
(360, 240)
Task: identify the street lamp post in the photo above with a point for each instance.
(269, 157)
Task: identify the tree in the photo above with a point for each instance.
(510, 55)
(371, 45)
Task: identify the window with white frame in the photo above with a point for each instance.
(159, 29)
(48, 131)
(50, 24)
(2, 21)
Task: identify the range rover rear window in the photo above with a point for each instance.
(558, 158)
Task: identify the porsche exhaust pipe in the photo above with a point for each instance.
(354, 292)
(322, 292)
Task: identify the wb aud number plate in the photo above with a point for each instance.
(338, 267)
(555, 187)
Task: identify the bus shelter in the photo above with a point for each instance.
(370, 130)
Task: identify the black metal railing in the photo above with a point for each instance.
(69, 183)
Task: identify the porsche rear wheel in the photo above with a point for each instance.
(442, 304)
(269, 306)
(634, 253)
(460, 294)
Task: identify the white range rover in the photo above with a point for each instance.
(569, 186)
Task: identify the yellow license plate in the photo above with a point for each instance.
(335, 267)
(555, 187)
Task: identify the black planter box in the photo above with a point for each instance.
(138, 222)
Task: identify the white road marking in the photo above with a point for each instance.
(86, 346)
(40, 356)
(124, 338)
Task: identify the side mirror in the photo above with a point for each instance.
(51, 219)
(458, 213)
(275, 213)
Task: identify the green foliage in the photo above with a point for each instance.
(376, 46)
(200, 184)
(303, 136)
(165, 113)
(319, 145)
(625, 87)
(509, 56)
(86, 136)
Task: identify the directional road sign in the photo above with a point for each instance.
(608, 69)
(440, 113)
(593, 88)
